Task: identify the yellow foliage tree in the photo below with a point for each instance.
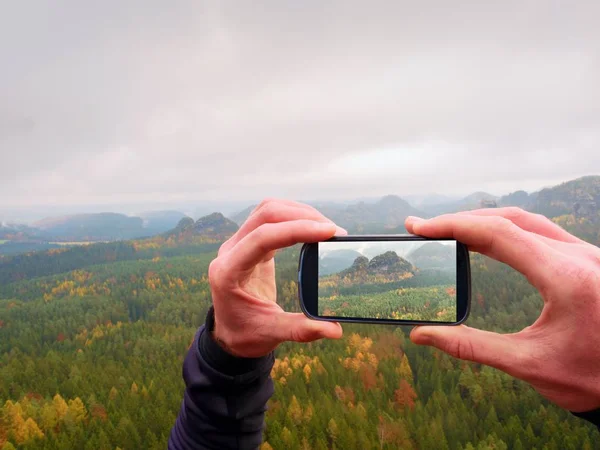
(308, 413)
(296, 362)
(17, 428)
(307, 371)
(10, 411)
(31, 430)
(76, 412)
(405, 370)
(266, 446)
(332, 430)
(355, 341)
(145, 392)
(113, 394)
(294, 411)
(373, 360)
(361, 411)
(286, 436)
(60, 406)
(366, 344)
(48, 417)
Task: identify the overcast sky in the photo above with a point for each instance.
(121, 102)
(371, 248)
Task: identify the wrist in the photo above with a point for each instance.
(216, 331)
(222, 340)
(222, 359)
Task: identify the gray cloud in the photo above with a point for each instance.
(139, 102)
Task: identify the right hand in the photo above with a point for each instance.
(559, 355)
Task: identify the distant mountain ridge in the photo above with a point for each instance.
(575, 205)
(579, 197)
(92, 227)
(388, 264)
(214, 227)
(472, 201)
(106, 226)
(155, 222)
(389, 213)
(241, 216)
(16, 231)
(433, 255)
(336, 261)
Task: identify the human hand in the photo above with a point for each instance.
(559, 355)
(248, 320)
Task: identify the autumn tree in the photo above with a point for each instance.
(405, 395)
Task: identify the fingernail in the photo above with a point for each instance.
(339, 231)
(414, 219)
(323, 226)
(420, 337)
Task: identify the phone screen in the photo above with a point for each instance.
(390, 280)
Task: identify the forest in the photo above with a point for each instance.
(423, 303)
(92, 342)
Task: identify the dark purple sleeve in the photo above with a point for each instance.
(225, 397)
(590, 416)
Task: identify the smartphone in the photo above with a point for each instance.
(388, 279)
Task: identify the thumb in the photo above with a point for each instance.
(299, 328)
(501, 351)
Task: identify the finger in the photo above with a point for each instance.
(410, 221)
(299, 328)
(561, 246)
(503, 351)
(535, 223)
(270, 205)
(283, 201)
(497, 238)
(269, 237)
(275, 211)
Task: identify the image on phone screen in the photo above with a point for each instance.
(393, 280)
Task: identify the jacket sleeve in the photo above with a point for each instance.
(225, 397)
(590, 416)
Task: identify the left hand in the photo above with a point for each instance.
(248, 320)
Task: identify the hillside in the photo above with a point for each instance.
(336, 261)
(388, 265)
(210, 229)
(580, 197)
(472, 201)
(433, 255)
(188, 237)
(389, 212)
(16, 232)
(91, 227)
(241, 216)
(215, 226)
(517, 198)
(156, 222)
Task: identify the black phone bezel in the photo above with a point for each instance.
(308, 280)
